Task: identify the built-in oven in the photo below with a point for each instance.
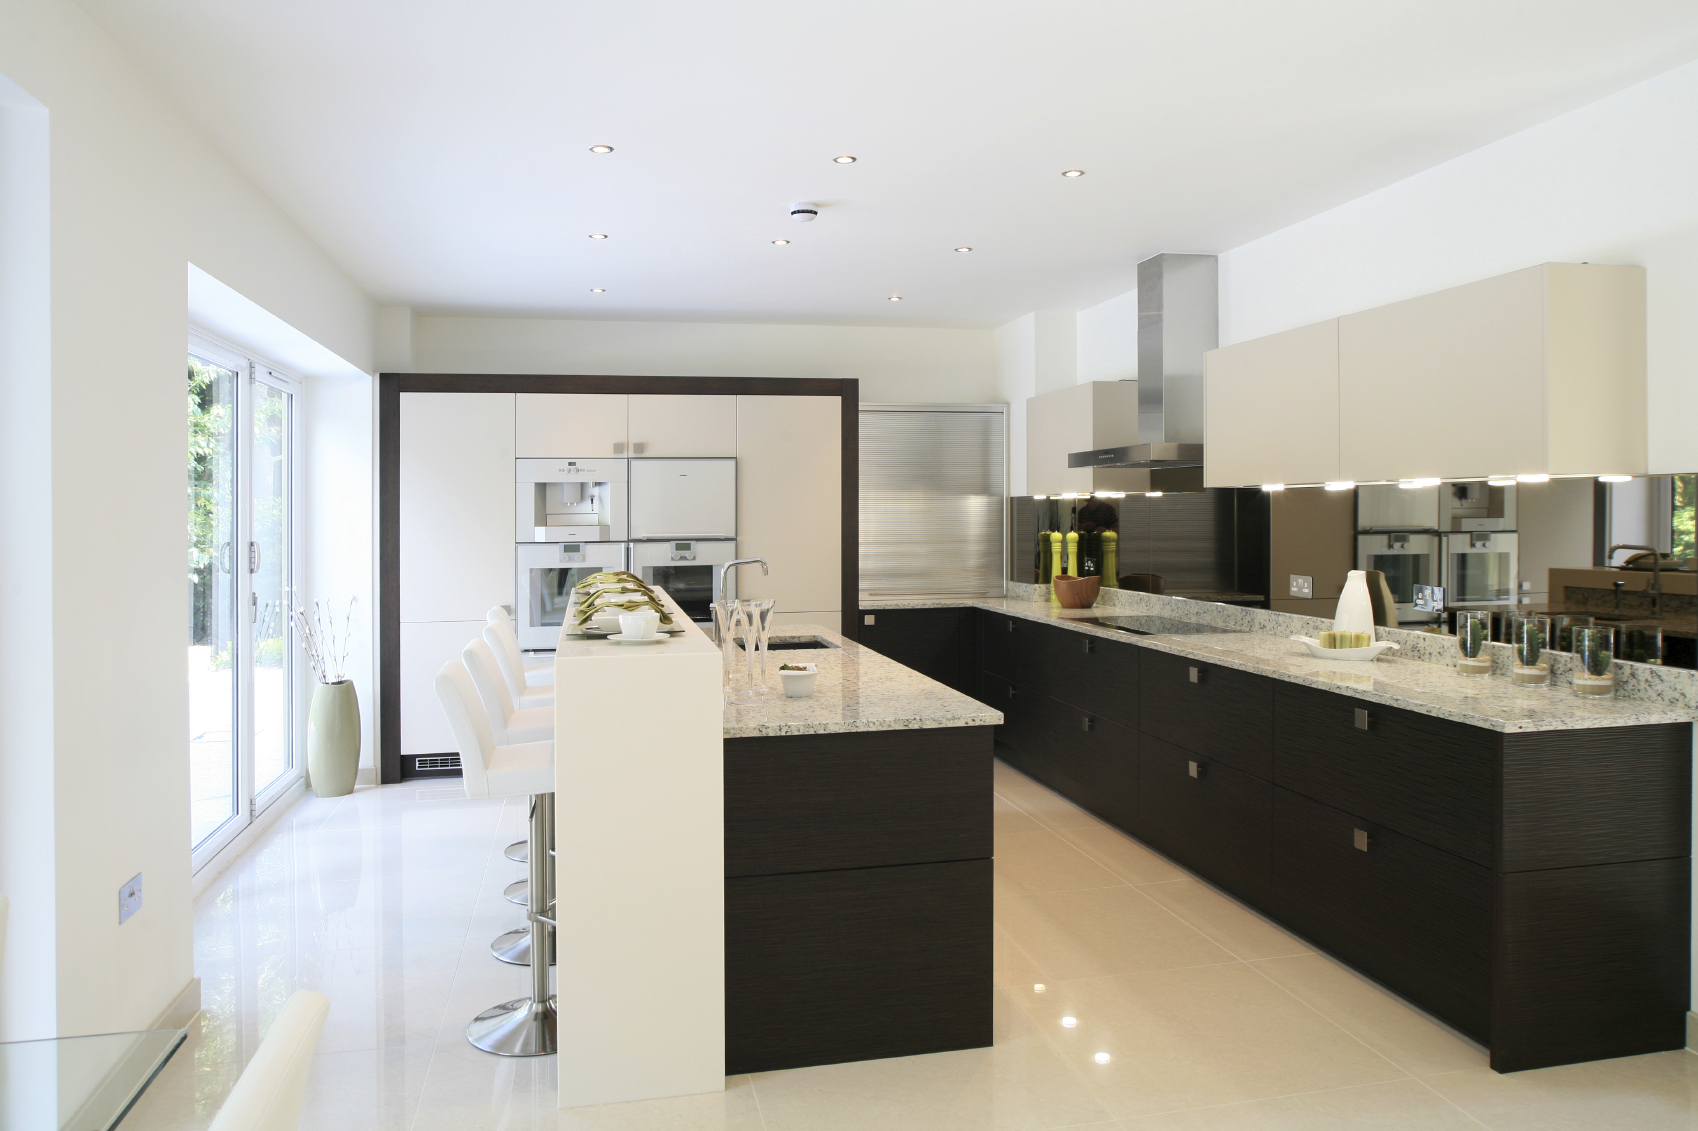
(1408, 559)
(1482, 567)
(547, 572)
(690, 570)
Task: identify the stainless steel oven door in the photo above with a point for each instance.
(547, 571)
(689, 571)
(1482, 567)
(1407, 560)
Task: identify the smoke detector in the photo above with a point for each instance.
(802, 211)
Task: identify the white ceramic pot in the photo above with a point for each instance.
(799, 685)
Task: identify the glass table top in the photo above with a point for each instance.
(79, 1083)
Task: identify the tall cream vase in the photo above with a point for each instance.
(333, 739)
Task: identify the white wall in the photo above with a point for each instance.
(1612, 182)
(1108, 340)
(892, 363)
(135, 196)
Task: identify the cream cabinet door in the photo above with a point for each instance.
(552, 425)
(1271, 409)
(683, 425)
(1450, 384)
(456, 505)
(790, 500)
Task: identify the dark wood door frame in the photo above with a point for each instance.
(390, 386)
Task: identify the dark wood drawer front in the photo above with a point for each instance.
(1210, 817)
(937, 643)
(1090, 760)
(803, 803)
(1092, 673)
(1606, 796)
(1423, 777)
(1223, 714)
(1009, 647)
(828, 967)
(1404, 913)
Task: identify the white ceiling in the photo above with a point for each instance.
(438, 149)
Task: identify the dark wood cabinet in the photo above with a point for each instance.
(1221, 713)
(941, 644)
(1533, 890)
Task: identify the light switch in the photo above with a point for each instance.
(130, 898)
(1302, 585)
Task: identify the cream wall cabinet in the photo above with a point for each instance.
(1541, 371)
(456, 505)
(1081, 418)
(549, 425)
(688, 424)
(790, 501)
(1271, 409)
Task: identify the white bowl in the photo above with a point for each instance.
(800, 685)
(1367, 653)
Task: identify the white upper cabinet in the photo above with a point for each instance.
(550, 425)
(1538, 372)
(683, 425)
(1271, 409)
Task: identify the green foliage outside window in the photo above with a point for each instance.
(1684, 488)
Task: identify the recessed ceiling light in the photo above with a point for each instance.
(1500, 481)
(598, 235)
(1102, 1058)
(1341, 485)
(1152, 494)
(963, 249)
(895, 298)
(601, 149)
(780, 243)
(1615, 479)
(1073, 173)
(1273, 486)
(844, 160)
(1535, 477)
(598, 290)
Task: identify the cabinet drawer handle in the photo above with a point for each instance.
(1009, 624)
(1090, 645)
(619, 448)
(1361, 719)
(1011, 692)
(637, 448)
(869, 619)
(1196, 769)
(1085, 723)
(1196, 676)
(1360, 838)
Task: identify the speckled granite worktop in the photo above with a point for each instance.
(857, 690)
(1429, 688)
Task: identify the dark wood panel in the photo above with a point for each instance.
(1406, 914)
(1218, 823)
(1092, 673)
(825, 967)
(1009, 647)
(1226, 715)
(1424, 777)
(389, 578)
(808, 802)
(1591, 963)
(1574, 797)
(598, 383)
(930, 641)
(849, 513)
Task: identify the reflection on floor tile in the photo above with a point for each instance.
(1130, 995)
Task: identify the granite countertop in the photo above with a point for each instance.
(1414, 685)
(857, 690)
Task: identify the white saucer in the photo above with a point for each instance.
(621, 638)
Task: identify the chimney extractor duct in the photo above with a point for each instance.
(1178, 322)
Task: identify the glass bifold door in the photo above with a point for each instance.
(241, 462)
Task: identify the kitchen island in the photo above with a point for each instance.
(1515, 861)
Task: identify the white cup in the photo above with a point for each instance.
(639, 626)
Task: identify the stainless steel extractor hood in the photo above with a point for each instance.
(1178, 322)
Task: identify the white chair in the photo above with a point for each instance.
(507, 723)
(533, 674)
(523, 1026)
(269, 1094)
(506, 648)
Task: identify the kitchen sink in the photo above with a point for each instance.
(793, 643)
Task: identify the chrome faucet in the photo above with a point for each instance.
(725, 578)
(1656, 573)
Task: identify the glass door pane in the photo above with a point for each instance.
(214, 631)
(268, 564)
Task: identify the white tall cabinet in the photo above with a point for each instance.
(456, 552)
(790, 505)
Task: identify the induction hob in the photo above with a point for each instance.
(1155, 626)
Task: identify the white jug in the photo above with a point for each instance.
(1355, 609)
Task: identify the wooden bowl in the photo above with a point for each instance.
(1076, 592)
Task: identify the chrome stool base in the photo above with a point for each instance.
(514, 947)
(519, 852)
(520, 1027)
(518, 892)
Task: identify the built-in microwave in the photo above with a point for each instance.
(1482, 567)
(547, 572)
(690, 571)
(1408, 559)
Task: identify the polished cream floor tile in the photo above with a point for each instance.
(1122, 855)
(1658, 1092)
(1036, 860)
(1098, 931)
(1225, 921)
(1402, 1034)
(734, 1109)
(1397, 1105)
(1048, 809)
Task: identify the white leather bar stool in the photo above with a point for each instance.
(272, 1089)
(533, 674)
(524, 1026)
(507, 656)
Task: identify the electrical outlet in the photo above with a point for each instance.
(1302, 586)
(130, 898)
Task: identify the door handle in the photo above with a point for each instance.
(1196, 677)
(253, 608)
(1085, 723)
(1361, 719)
(253, 557)
(224, 557)
(1360, 838)
(1195, 769)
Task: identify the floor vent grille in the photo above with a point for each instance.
(437, 762)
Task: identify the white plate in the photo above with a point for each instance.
(621, 638)
(1367, 653)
